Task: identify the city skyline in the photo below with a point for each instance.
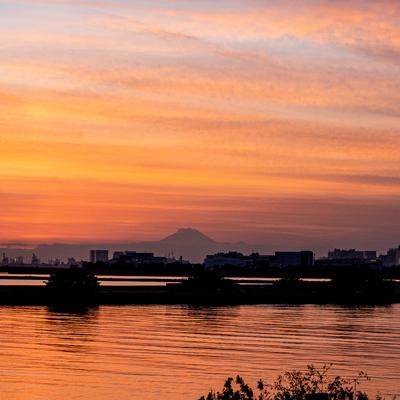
(185, 244)
(254, 121)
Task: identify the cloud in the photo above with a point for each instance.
(252, 117)
(360, 26)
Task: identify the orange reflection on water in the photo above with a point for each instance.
(181, 352)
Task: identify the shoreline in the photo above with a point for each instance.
(307, 293)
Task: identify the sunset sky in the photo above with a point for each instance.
(273, 122)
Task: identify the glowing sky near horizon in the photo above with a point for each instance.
(273, 122)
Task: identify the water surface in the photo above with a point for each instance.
(179, 352)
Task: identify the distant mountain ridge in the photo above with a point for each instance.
(189, 243)
(186, 235)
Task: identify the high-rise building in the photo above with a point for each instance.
(391, 258)
(98, 256)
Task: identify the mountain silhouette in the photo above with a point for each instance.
(188, 236)
(189, 243)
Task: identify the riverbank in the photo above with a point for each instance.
(185, 270)
(298, 292)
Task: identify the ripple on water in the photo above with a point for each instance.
(181, 352)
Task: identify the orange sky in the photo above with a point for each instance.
(250, 120)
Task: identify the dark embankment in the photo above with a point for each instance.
(182, 269)
(79, 286)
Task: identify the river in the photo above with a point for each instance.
(180, 352)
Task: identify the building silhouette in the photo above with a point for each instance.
(352, 254)
(137, 258)
(281, 259)
(98, 256)
(391, 258)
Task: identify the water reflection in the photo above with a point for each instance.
(73, 310)
(71, 328)
(137, 351)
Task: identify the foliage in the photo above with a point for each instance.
(77, 280)
(293, 385)
(357, 278)
(209, 280)
(288, 282)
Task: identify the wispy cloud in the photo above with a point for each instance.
(242, 116)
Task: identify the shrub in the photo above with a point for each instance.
(294, 385)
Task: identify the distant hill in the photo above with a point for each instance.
(188, 236)
(189, 243)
